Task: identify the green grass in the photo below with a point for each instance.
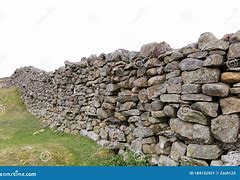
(23, 141)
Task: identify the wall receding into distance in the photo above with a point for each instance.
(179, 105)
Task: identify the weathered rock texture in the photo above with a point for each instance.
(180, 106)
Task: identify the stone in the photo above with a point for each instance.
(152, 62)
(214, 60)
(149, 140)
(156, 90)
(173, 74)
(143, 132)
(201, 76)
(230, 105)
(112, 87)
(163, 142)
(157, 105)
(178, 149)
(175, 80)
(143, 96)
(230, 77)
(166, 161)
(187, 161)
(190, 64)
(225, 128)
(131, 112)
(207, 108)
(141, 82)
(156, 80)
(149, 148)
(234, 51)
(184, 129)
(203, 151)
(136, 145)
(186, 113)
(207, 41)
(154, 49)
(235, 90)
(171, 66)
(158, 114)
(134, 119)
(170, 98)
(127, 106)
(235, 38)
(231, 158)
(202, 134)
(191, 88)
(198, 55)
(174, 88)
(175, 56)
(120, 116)
(216, 163)
(170, 111)
(216, 89)
(152, 72)
(102, 114)
(195, 97)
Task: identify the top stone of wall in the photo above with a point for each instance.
(181, 106)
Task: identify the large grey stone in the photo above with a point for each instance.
(156, 90)
(201, 76)
(216, 89)
(156, 80)
(171, 66)
(196, 97)
(190, 64)
(203, 151)
(184, 129)
(143, 132)
(234, 51)
(202, 134)
(191, 88)
(170, 98)
(154, 49)
(214, 60)
(141, 82)
(178, 149)
(230, 105)
(207, 41)
(225, 128)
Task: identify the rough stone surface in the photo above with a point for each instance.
(225, 128)
(178, 149)
(184, 129)
(196, 97)
(230, 105)
(216, 89)
(190, 64)
(201, 76)
(203, 151)
(202, 134)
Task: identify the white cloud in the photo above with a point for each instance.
(45, 33)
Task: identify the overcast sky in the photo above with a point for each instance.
(45, 33)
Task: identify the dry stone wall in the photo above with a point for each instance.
(181, 106)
